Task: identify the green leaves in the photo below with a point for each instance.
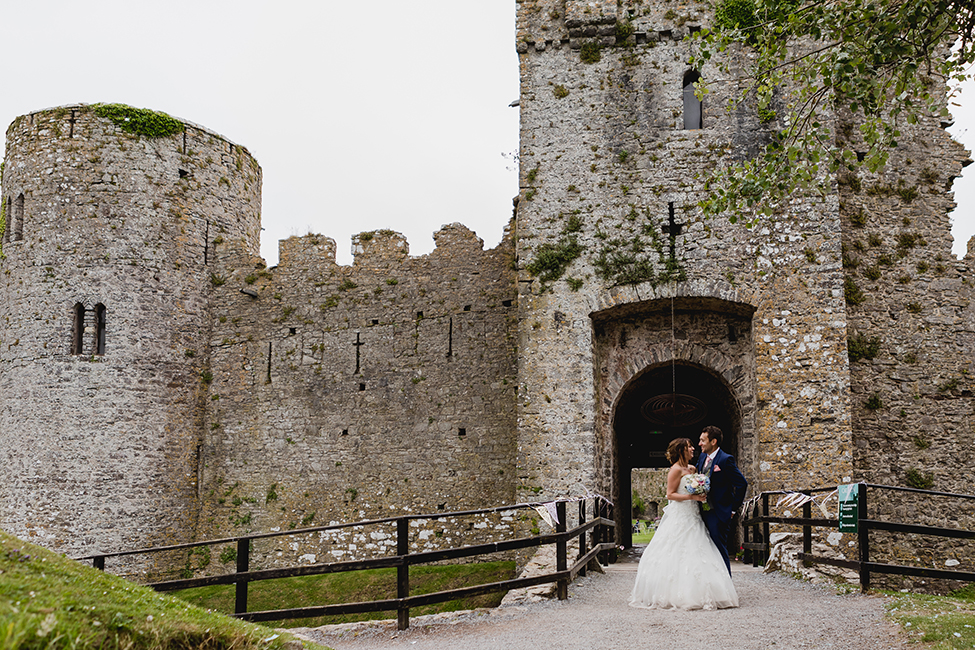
(816, 66)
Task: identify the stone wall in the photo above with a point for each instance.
(651, 486)
(911, 317)
(912, 339)
(342, 393)
(100, 451)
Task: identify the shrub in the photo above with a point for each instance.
(860, 347)
(920, 480)
(853, 294)
(590, 52)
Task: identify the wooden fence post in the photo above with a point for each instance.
(243, 564)
(561, 563)
(582, 536)
(863, 537)
(765, 530)
(807, 532)
(756, 535)
(403, 571)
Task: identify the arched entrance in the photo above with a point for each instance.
(700, 349)
(646, 419)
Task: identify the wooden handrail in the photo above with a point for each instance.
(401, 562)
(863, 565)
(303, 531)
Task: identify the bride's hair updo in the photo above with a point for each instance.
(675, 450)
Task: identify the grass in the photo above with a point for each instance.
(944, 621)
(645, 534)
(50, 602)
(357, 586)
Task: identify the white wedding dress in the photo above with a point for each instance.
(681, 568)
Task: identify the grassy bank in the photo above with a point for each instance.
(48, 601)
(356, 586)
(944, 621)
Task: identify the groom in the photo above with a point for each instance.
(727, 489)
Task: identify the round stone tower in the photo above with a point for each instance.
(113, 217)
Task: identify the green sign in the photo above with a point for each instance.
(849, 507)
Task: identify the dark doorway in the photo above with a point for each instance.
(647, 418)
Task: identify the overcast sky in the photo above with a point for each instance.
(387, 114)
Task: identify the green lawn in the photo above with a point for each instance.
(645, 534)
(356, 586)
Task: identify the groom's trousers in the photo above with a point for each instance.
(718, 530)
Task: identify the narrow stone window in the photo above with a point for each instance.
(269, 351)
(88, 326)
(18, 218)
(693, 107)
(99, 329)
(78, 329)
(9, 213)
(461, 432)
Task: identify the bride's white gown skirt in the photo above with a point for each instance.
(681, 568)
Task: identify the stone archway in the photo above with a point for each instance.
(642, 435)
(698, 347)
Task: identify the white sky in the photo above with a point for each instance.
(387, 114)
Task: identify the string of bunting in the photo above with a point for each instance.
(794, 500)
(797, 499)
(548, 513)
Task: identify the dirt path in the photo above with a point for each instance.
(776, 612)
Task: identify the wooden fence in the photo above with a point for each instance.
(595, 535)
(757, 530)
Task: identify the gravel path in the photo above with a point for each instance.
(776, 612)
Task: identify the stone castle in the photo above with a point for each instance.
(161, 385)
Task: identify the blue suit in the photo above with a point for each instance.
(727, 493)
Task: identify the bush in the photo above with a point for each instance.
(590, 52)
(860, 347)
(920, 480)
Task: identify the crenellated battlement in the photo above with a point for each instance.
(542, 24)
(386, 248)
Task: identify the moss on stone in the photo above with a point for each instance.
(551, 260)
(590, 52)
(139, 121)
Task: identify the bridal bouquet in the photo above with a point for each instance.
(699, 484)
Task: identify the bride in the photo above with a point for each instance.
(681, 568)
